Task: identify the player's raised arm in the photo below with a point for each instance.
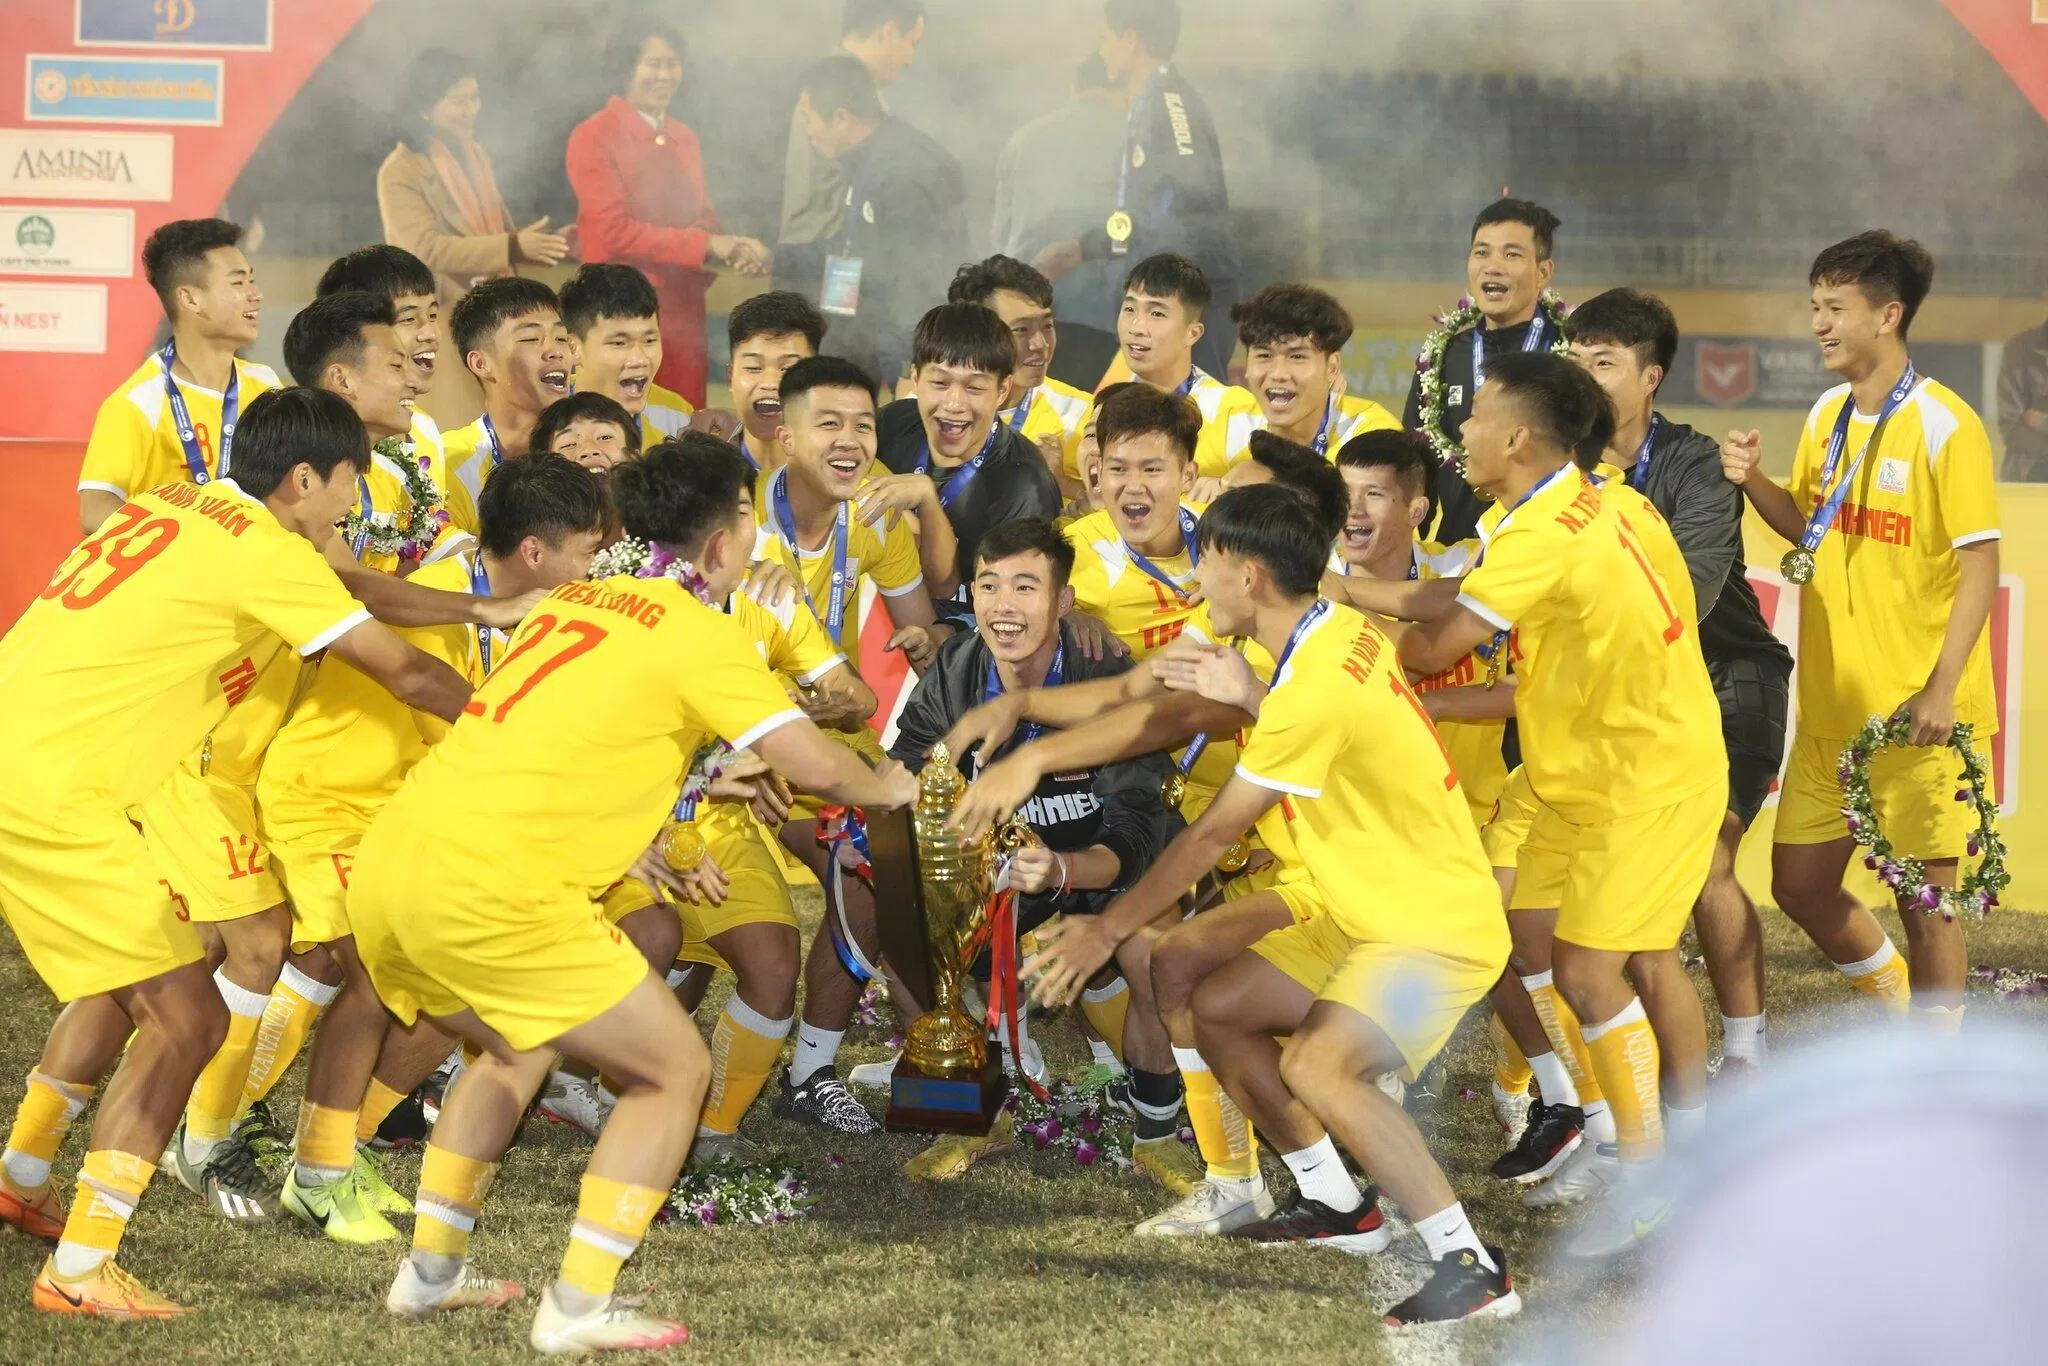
(409, 673)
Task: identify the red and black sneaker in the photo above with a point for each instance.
(1553, 1132)
(1461, 1287)
(1308, 1221)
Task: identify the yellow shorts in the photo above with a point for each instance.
(1415, 996)
(1293, 885)
(1503, 832)
(533, 963)
(1914, 791)
(202, 833)
(622, 898)
(316, 879)
(88, 905)
(863, 742)
(1626, 884)
(756, 893)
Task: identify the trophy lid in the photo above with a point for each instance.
(940, 785)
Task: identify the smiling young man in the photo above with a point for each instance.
(594, 431)
(509, 333)
(1042, 410)
(614, 319)
(1294, 338)
(767, 334)
(1894, 515)
(1157, 328)
(172, 421)
(199, 584)
(1508, 265)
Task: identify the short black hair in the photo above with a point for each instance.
(822, 372)
(1541, 222)
(1141, 410)
(382, 269)
(622, 53)
(777, 313)
(681, 491)
(1558, 398)
(865, 16)
(977, 281)
(1024, 536)
(330, 329)
(1156, 21)
(282, 429)
(494, 303)
(843, 81)
(586, 404)
(1627, 317)
(1265, 522)
(544, 495)
(431, 74)
(1886, 268)
(609, 290)
(1308, 474)
(1169, 275)
(971, 336)
(1408, 454)
(1280, 313)
(177, 250)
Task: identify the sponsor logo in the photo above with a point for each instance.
(1891, 476)
(53, 318)
(87, 89)
(174, 23)
(47, 240)
(47, 163)
(35, 235)
(1727, 374)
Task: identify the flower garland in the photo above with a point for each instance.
(409, 534)
(1905, 875)
(1074, 1120)
(729, 1192)
(640, 560)
(1429, 367)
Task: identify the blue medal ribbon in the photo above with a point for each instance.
(181, 418)
(1639, 473)
(1823, 518)
(364, 510)
(497, 447)
(741, 442)
(1187, 539)
(480, 585)
(1186, 388)
(962, 477)
(1314, 614)
(1531, 341)
(834, 616)
(992, 688)
(1023, 411)
(1322, 441)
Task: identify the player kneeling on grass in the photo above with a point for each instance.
(591, 721)
(1408, 933)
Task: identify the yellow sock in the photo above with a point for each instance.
(109, 1185)
(744, 1048)
(1222, 1133)
(210, 1115)
(295, 1002)
(452, 1189)
(326, 1141)
(1882, 977)
(1561, 1027)
(378, 1103)
(47, 1109)
(1625, 1057)
(1105, 1009)
(611, 1219)
(1510, 1069)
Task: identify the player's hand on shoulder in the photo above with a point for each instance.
(505, 614)
(1094, 639)
(772, 584)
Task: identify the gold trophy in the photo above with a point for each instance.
(948, 1079)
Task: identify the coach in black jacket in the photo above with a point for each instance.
(1100, 828)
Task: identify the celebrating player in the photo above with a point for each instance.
(1294, 338)
(1042, 410)
(767, 334)
(509, 333)
(594, 431)
(614, 322)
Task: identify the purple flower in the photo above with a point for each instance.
(1053, 1129)
(1929, 898)
(1086, 1153)
(425, 465)
(705, 1211)
(1963, 796)
(1091, 1124)
(834, 1160)
(1972, 846)
(1856, 828)
(1870, 860)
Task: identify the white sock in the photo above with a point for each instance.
(1319, 1171)
(1448, 1231)
(75, 1260)
(1940, 1019)
(320, 993)
(676, 977)
(25, 1173)
(1554, 1080)
(1104, 1055)
(815, 1048)
(1683, 1126)
(1866, 966)
(1743, 1037)
(1599, 1123)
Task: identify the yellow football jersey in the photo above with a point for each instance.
(134, 444)
(592, 717)
(1884, 582)
(1370, 796)
(1475, 746)
(1219, 759)
(1350, 416)
(1059, 411)
(383, 493)
(349, 742)
(1616, 712)
(150, 631)
(1220, 404)
(791, 641)
(1108, 585)
(468, 457)
(667, 415)
(885, 553)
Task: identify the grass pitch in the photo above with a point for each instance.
(1028, 1258)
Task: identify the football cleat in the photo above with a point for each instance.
(1461, 1287)
(1311, 1222)
(1635, 1208)
(341, 1209)
(713, 1150)
(1592, 1169)
(405, 1127)
(1553, 1132)
(950, 1155)
(107, 1292)
(1511, 1110)
(825, 1101)
(1170, 1162)
(258, 1131)
(234, 1186)
(617, 1325)
(412, 1296)
(1212, 1208)
(575, 1101)
(377, 1193)
(39, 1216)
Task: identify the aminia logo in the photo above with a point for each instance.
(35, 235)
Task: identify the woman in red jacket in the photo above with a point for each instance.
(641, 199)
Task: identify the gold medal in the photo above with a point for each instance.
(1798, 566)
(1120, 227)
(682, 845)
(1173, 790)
(1236, 856)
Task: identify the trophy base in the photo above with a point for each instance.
(946, 1105)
